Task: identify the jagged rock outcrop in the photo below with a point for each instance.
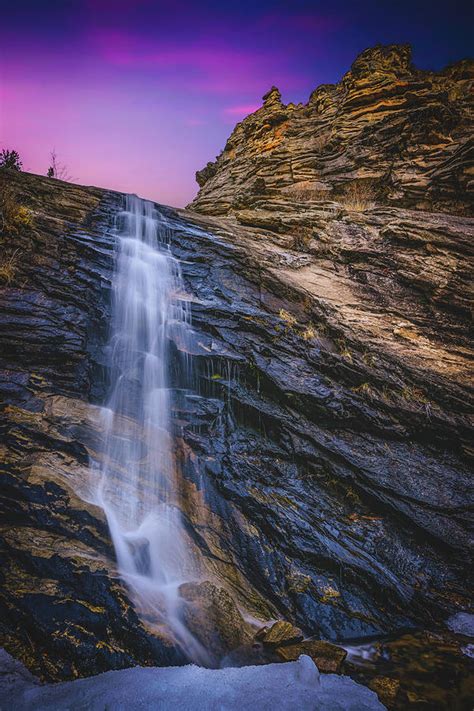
(404, 133)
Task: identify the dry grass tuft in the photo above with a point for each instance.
(13, 215)
(309, 333)
(287, 318)
(343, 349)
(359, 195)
(365, 389)
(9, 267)
(412, 394)
(307, 191)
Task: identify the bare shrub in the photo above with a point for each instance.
(306, 191)
(359, 195)
(302, 237)
(57, 169)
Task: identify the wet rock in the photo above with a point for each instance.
(386, 689)
(63, 611)
(211, 615)
(327, 657)
(279, 634)
(432, 668)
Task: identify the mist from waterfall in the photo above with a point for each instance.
(138, 487)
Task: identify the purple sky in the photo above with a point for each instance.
(137, 95)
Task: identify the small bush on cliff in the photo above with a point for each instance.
(310, 333)
(10, 160)
(14, 217)
(359, 195)
(288, 319)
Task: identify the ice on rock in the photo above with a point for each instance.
(271, 687)
(307, 672)
(462, 623)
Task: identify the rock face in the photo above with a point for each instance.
(403, 133)
(364, 379)
(334, 437)
(324, 443)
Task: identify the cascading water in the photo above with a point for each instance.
(138, 479)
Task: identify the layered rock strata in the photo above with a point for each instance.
(404, 133)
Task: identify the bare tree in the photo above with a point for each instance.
(57, 169)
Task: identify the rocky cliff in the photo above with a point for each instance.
(324, 442)
(404, 134)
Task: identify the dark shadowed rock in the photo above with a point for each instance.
(387, 690)
(63, 610)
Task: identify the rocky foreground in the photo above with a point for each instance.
(325, 441)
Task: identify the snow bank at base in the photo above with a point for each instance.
(272, 687)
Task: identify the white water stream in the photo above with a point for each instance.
(138, 487)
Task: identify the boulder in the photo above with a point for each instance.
(212, 616)
(279, 634)
(327, 657)
(386, 689)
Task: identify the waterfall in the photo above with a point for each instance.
(138, 487)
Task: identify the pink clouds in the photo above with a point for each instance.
(202, 65)
(139, 95)
(239, 112)
(241, 109)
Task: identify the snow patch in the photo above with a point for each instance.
(286, 687)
